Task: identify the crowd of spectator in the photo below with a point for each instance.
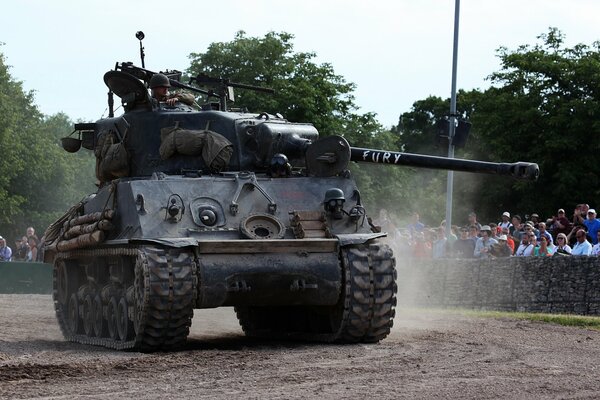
(511, 236)
(25, 249)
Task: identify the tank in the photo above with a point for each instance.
(214, 207)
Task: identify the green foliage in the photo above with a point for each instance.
(543, 107)
(38, 180)
(304, 91)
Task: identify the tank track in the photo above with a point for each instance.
(364, 312)
(152, 310)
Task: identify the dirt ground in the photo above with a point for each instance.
(429, 354)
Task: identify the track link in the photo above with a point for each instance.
(151, 312)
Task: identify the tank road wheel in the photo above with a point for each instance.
(111, 316)
(73, 314)
(88, 315)
(66, 277)
(124, 325)
(100, 325)
(364, 312)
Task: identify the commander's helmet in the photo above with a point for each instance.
(159, 80)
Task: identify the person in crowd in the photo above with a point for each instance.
(416, 226)
(21, 249)
(596, 248)
(560, 223)
(533, 228)
(509, 240)
(527, 229)
(464, 247)
(494, 230)
(527, 245)
(543, 232)
(505, 223)
(31, 234)
(473, 233)
(455, 229)
(535, 219)
(562, 245)
(422, 245)
(571, 237)
(5, 251)
(501, 248)
(593, 225)
(580, 213)
(543, 250)
(472, 220)
(483, 244)
(516, 231)
(440, 243)
(33, 249)
(582, 247)
(453, 232)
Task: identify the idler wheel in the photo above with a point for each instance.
(100, 328)
(88, 315)
(73, 314)
(262, 226)
(111, 316)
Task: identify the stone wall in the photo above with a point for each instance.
(552, 285)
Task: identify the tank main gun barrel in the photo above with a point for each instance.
(520, 170)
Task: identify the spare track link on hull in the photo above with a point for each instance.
(364, 312)
(151, 310)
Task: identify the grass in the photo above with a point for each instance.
(582, 321)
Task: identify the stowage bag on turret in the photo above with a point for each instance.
(112, 160)
(214, 148)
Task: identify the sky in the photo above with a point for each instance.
(395, 51)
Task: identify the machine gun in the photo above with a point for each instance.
(174, 77)
(224, 88)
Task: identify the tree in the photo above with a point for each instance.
(542, 107)
(17, 115)
(38, 180)
(304, 91)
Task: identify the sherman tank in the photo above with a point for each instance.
(215, 207)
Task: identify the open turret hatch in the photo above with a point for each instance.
(131, 90)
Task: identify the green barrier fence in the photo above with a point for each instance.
(25, 277)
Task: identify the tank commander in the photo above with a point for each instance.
(159, 86)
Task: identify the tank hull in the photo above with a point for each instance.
(262, 252)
